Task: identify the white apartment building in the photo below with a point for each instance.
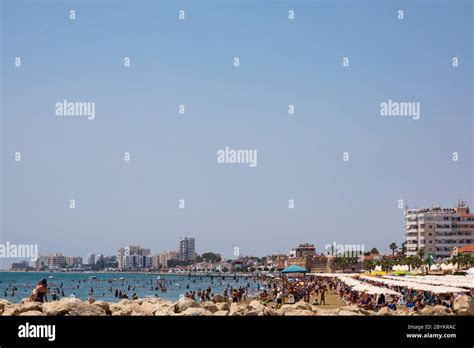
(51, 261)
(134, 257)
(436, 231)
(165, 256)
(187, 249)
(137, 262)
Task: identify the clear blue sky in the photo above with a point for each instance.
(174, 156)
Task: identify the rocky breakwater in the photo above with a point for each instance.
(219, 306)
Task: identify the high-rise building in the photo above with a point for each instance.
(74, 261)
(93, 259)
(187, 249)
(20, 266)
(134, 257)
(155, 262)
(137, 261)
(166, 256)
(436, 231)
(120, 256)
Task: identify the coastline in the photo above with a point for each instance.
(182, 274)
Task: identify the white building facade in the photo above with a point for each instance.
(437, 231)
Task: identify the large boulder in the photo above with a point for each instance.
(196, 311)
(286, 308)
(148, 308)
(9, 310)
(120, 310)
(354, 309)
(218, 298)
(79, 308)
(324, 312)
(223, 306)
(222, 313)
(17, 309)
(154, 300)
(268, 312)
(32, 314)
(462, 305)
(56, 308)
(29, 306)
(210, 306)
(104, 305)
(303, 305)
(401, 311)
(384, 312)
(184, 303)
(344, 312)
(299, 312)
(124, 302)
(435, 310)
(165, 310)
(237, 309)
(145, 307)
(3, 303)
(257, 305)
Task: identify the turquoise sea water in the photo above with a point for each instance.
(144, 285)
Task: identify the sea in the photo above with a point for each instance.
(102, 286)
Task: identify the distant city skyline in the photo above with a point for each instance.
(148, 159)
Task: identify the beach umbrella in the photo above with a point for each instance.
(297, 269)
(294, 269)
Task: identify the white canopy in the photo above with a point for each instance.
(437, 289)
(357, 285)
(447, 280)
(455, 280)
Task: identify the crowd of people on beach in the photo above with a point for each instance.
(409, 298)
(289, 290)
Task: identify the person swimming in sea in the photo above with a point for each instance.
(40, 293)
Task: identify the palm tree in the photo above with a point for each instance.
(408, 261)
(384, 265)
(465, 260)
(338, 262)
(390, 264)
(393, 246)
(412, 261)
(417, 262)
(404, 248)
(421, 253)
(374, 251)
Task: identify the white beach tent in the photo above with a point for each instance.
(448, 267)
(436, 289)
(357, 285)
(447, 280)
